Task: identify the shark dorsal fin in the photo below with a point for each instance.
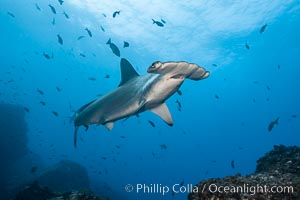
(163, 112)
(127, 71)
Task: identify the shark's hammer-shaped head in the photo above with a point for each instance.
(173, 69)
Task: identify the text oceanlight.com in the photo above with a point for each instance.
(212, 188)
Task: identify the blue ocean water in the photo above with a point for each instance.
(223, 118)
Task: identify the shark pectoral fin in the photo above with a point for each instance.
(75, 136)
(109, 125)
(163, 112)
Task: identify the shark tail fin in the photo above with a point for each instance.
(109, 41)
(75, 136)
(153, 21)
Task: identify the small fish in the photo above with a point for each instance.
(60, 40)
(52, 9)
(247, 46)
(53, 21)
(126, 44)
(179, 92)
(217, 96)
(163, 147)
(58, 89)
(116, 13)
(278, 66)
(263, 28)
(151, 123)
(33, 169)
(82, 55)
(294, 116)
(178, 103)
(26, 109)
(92, 78)
(113, 47)
(272, 124)
(80, 37)
(214, 65)
(43, 103)
(182, 183)
(158, 23)
(103, 158)
(104, 15)
(102, 28)
(66, 15)
(123, 137)
(107, 76)
(37, 7)
(40, 91)
(55, 113)
(89, 32)
(60, 2)
(268, 88)
(118, 146)
(232, 164)
(255, 82)
(10, 14)
(162, 20)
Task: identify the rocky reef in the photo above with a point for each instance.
(13, 143)
(277, 177)
(35, 191)
(66, 175)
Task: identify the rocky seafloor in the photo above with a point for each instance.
(35, 191)
(277, 177)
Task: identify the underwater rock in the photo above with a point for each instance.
(279, 167)
(65, 176)
(35, 191)
(13, 144)
(281, 158)
(13, 135)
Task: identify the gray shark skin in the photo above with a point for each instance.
(134, 95)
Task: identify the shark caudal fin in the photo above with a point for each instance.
(163, 112)
(127, 71)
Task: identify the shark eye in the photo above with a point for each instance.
(154, 64)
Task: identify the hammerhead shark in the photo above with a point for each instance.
(136, 94)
